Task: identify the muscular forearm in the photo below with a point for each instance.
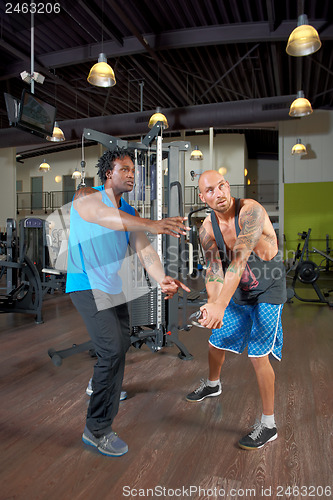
(151, 262)
(213, 289)
(231, 281)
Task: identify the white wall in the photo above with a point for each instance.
(63, 163)
(229, 151)
(263, 171)
(7, 186)
(316, 133)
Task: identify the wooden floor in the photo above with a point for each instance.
(177, 449)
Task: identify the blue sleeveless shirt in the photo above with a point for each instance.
(96, 253)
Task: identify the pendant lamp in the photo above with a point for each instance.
(300, 106)
(57, 135)
(101, 74)
(304, 40)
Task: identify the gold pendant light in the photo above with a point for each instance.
(76, 174)
(196, 154)
(300, 106)
(44, 167)
(298, 148)
(101, 74)
(158, 117)
(304, 40)
(57, 135)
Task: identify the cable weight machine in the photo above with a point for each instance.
(153, 321)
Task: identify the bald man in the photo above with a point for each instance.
(246, 289)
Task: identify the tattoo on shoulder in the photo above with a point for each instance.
(270, 239)
(206, 240)
(252, 221)
(83, 192)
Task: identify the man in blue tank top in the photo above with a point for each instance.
(246, 288)
(102, 225)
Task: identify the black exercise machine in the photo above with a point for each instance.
(307, 272)
(23, 291)
(196, 258)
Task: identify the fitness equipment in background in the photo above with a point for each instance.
(196, 258)
(307, 272)
(23, 284)
(194, 262)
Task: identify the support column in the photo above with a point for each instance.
(211, 148)
(281, 193)
(7, 186)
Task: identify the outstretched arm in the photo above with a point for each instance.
(151, 262)
(88, 202)
(251, 218)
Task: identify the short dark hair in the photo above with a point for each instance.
(106, 161)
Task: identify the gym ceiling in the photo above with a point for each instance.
(187, 54)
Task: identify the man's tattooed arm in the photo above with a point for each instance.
(271, 240)
(149, 259)
(251, 220)
(214, 271)
(83, 192)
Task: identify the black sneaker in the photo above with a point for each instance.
(204, 391)
(258, 437)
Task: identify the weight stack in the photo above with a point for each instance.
(143, 307)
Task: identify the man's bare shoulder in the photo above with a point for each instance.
(207, 221)
(251, 208)
(206, 226)
(248, 203)
(84, 193)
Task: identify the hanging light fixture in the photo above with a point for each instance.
(196, 154)
(101, 74)
(304, 40)
(298, 148)
(300, 106)
(44, 167)
(76, 174)
(158, 117)
(57, 135)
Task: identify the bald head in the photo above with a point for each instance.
(215, 191)
(209, 178)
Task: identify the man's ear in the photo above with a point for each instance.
(108, 174)
(202, 198)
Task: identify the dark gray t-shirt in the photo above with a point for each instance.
(262, 280)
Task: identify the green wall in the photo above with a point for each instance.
(308, 205)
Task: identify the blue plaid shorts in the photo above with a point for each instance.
(257, 326)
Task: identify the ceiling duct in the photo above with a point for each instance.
(217, 115)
